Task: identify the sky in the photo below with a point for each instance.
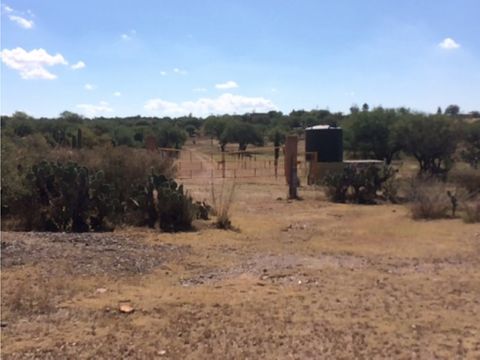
(176, 57)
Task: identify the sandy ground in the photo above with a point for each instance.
(298, 280)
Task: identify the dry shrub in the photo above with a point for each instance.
(222, 199)
(124, 169)
(32, 295)
(429, 199)
(467, 178)
(471, 212)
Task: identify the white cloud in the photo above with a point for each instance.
(200, 90)
(78, 65)
(26, 24)
(89, 87)
(91, 110)
(163, 73)
(31, 64)
(225, 103)
(180, 71)
(227, 85)
(449, 44)
(129, 35)
(117, 93)
(7, 8)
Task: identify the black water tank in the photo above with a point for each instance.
(326, 141)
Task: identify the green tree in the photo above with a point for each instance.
(371, 134)
(471, 140)
(171, 136)
(214, 126)
(241, 133)
(191, 130)
(354, 109)
(432, 140)
(452, 110)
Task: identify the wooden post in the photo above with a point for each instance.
(291, 150)
(223, 165)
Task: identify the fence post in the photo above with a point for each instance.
(223, 164)
(291, 149)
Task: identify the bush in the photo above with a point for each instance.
(222, 201)
(358, 184)
(467, 178)
(68, 197)
(162, 201)
(472, 213)
(471, 151)
(429, 199)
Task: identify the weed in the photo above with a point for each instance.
(222, 200)
(429, 199)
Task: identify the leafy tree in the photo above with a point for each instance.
(365, 107)
(171, 136)
(471, 151)
(123, 136)
(241, 133)
(439, 111)
(431, 140)
(71, 117)
(214, 126)
(191, 130)
(371, 134)
(22, 123)
(354, 109)
(452, 110)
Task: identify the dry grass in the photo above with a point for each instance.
(429, 200)
(471, 212)
(222, 200)
(303, 280)
(466, 178)
(33, 295)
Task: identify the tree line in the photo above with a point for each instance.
(434, 140)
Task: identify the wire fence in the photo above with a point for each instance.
(256, 163)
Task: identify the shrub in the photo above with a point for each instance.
(68, 197)
(472, 212)
(162, 201)
(467, 178)
(471, 151)
(222, 201)
(429, 199)
(358, 184)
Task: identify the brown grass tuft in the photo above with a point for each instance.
(429, 200)
(222, 199)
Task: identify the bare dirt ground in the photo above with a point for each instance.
(299, 280)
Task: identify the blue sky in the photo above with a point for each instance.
(116, 58)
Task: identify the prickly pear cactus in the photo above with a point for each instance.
(69, 198)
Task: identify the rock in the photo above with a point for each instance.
(161, 352)
(101, 290)
(126, 308)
